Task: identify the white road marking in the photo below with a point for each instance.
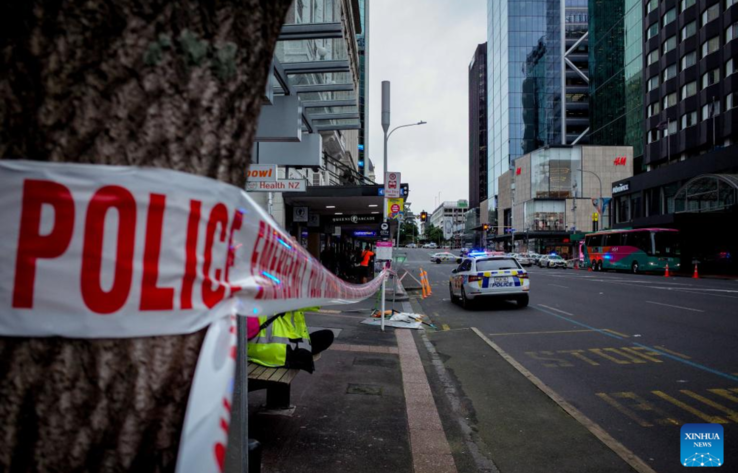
(675, 306)
(558, 285)
(557, 310)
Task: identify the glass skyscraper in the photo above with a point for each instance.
(616, 63)
(537, 79)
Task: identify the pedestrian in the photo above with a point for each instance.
(367, 264)
(283, 341)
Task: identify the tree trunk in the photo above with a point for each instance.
(174, 85)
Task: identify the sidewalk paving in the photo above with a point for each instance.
(368, 406)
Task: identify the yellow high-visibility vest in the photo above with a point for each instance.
(269, 347)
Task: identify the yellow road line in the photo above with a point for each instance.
(672, 352)
(731, 414)
(623, 410)
(446, 327)
(615, 333)
(540, 333)
(690, 409)
(639, 465)
(724, 393)
(645, 406)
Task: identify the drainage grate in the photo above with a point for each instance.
(381, 362)
(366, 389)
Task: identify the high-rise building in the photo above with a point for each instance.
(362, 40)
(537, 56)
(616, 75)
(689, 180)
(478, 127)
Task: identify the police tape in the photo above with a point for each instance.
(93, 251)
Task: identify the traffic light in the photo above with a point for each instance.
(423, 216)
(485, 227)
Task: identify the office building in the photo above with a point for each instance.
(616, 75)
(449, 217)
(553, 195)
(478, 127)
(689, 183)
(537, 56)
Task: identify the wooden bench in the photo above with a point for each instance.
(276, 381)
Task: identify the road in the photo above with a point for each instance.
(638, 355)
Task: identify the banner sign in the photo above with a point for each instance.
(395, 208)
(261, 173)
(283, 185)
(384, 250)
(95, 251)
(356, 219)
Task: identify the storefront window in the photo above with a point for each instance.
(554, 172)
(546, 216)
(623, 209)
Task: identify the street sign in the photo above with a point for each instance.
(261, 173)
(284, 185)
(392, 185)
(300, 214)
(384, 251)
(384, 226)
(313, 220)
(462, 204)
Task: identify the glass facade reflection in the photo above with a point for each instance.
(529, 82)
(616, 64)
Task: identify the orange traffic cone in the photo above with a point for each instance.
(695, 275)
(666, 273)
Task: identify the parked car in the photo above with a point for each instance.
(443, 257)
(489, 277)
(543, 261)
(524, 260)
(555, 261)
(430, 245)
(411, 245)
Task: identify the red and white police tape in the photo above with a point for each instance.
(94, 251)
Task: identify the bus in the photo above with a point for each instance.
(638, 251)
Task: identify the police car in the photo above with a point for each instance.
(443, 257)
(480, 277)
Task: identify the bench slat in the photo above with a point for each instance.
(277, 374)
(252, 367)
(289, 376)
(255, 374)
(266, 374)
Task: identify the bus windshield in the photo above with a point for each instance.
(666, 244)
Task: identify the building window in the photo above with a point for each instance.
(689, 30)
(653, 83)
(670, 72)
(653, 30)
(689, 59)
(731, 32)
(708, 111)
(687, 3)
(730, 3)
(670, 100)
(651, 6)
(689, 89)
(653, 135)
(710, 77)
(729, 102)
(710, 46)
(669, 44)
(689, 119)
(653, 56)
(671, 128)
(654, 109)
(729, 70)
(710, 14)
(670, 16)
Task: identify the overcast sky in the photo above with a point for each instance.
(423, 47)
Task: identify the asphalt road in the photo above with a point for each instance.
(639, 355)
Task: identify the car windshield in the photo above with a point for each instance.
(497, 264)
(555, 257)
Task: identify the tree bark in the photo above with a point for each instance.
(174, 85)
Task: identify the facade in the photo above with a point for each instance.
(537, 55)
(362, 39)
(450, 217)
(691, 125)
(616, 75)
(552, 192)
(478, 185)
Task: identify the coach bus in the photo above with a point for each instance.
(641, 250)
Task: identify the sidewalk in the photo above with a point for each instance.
(368, 407)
